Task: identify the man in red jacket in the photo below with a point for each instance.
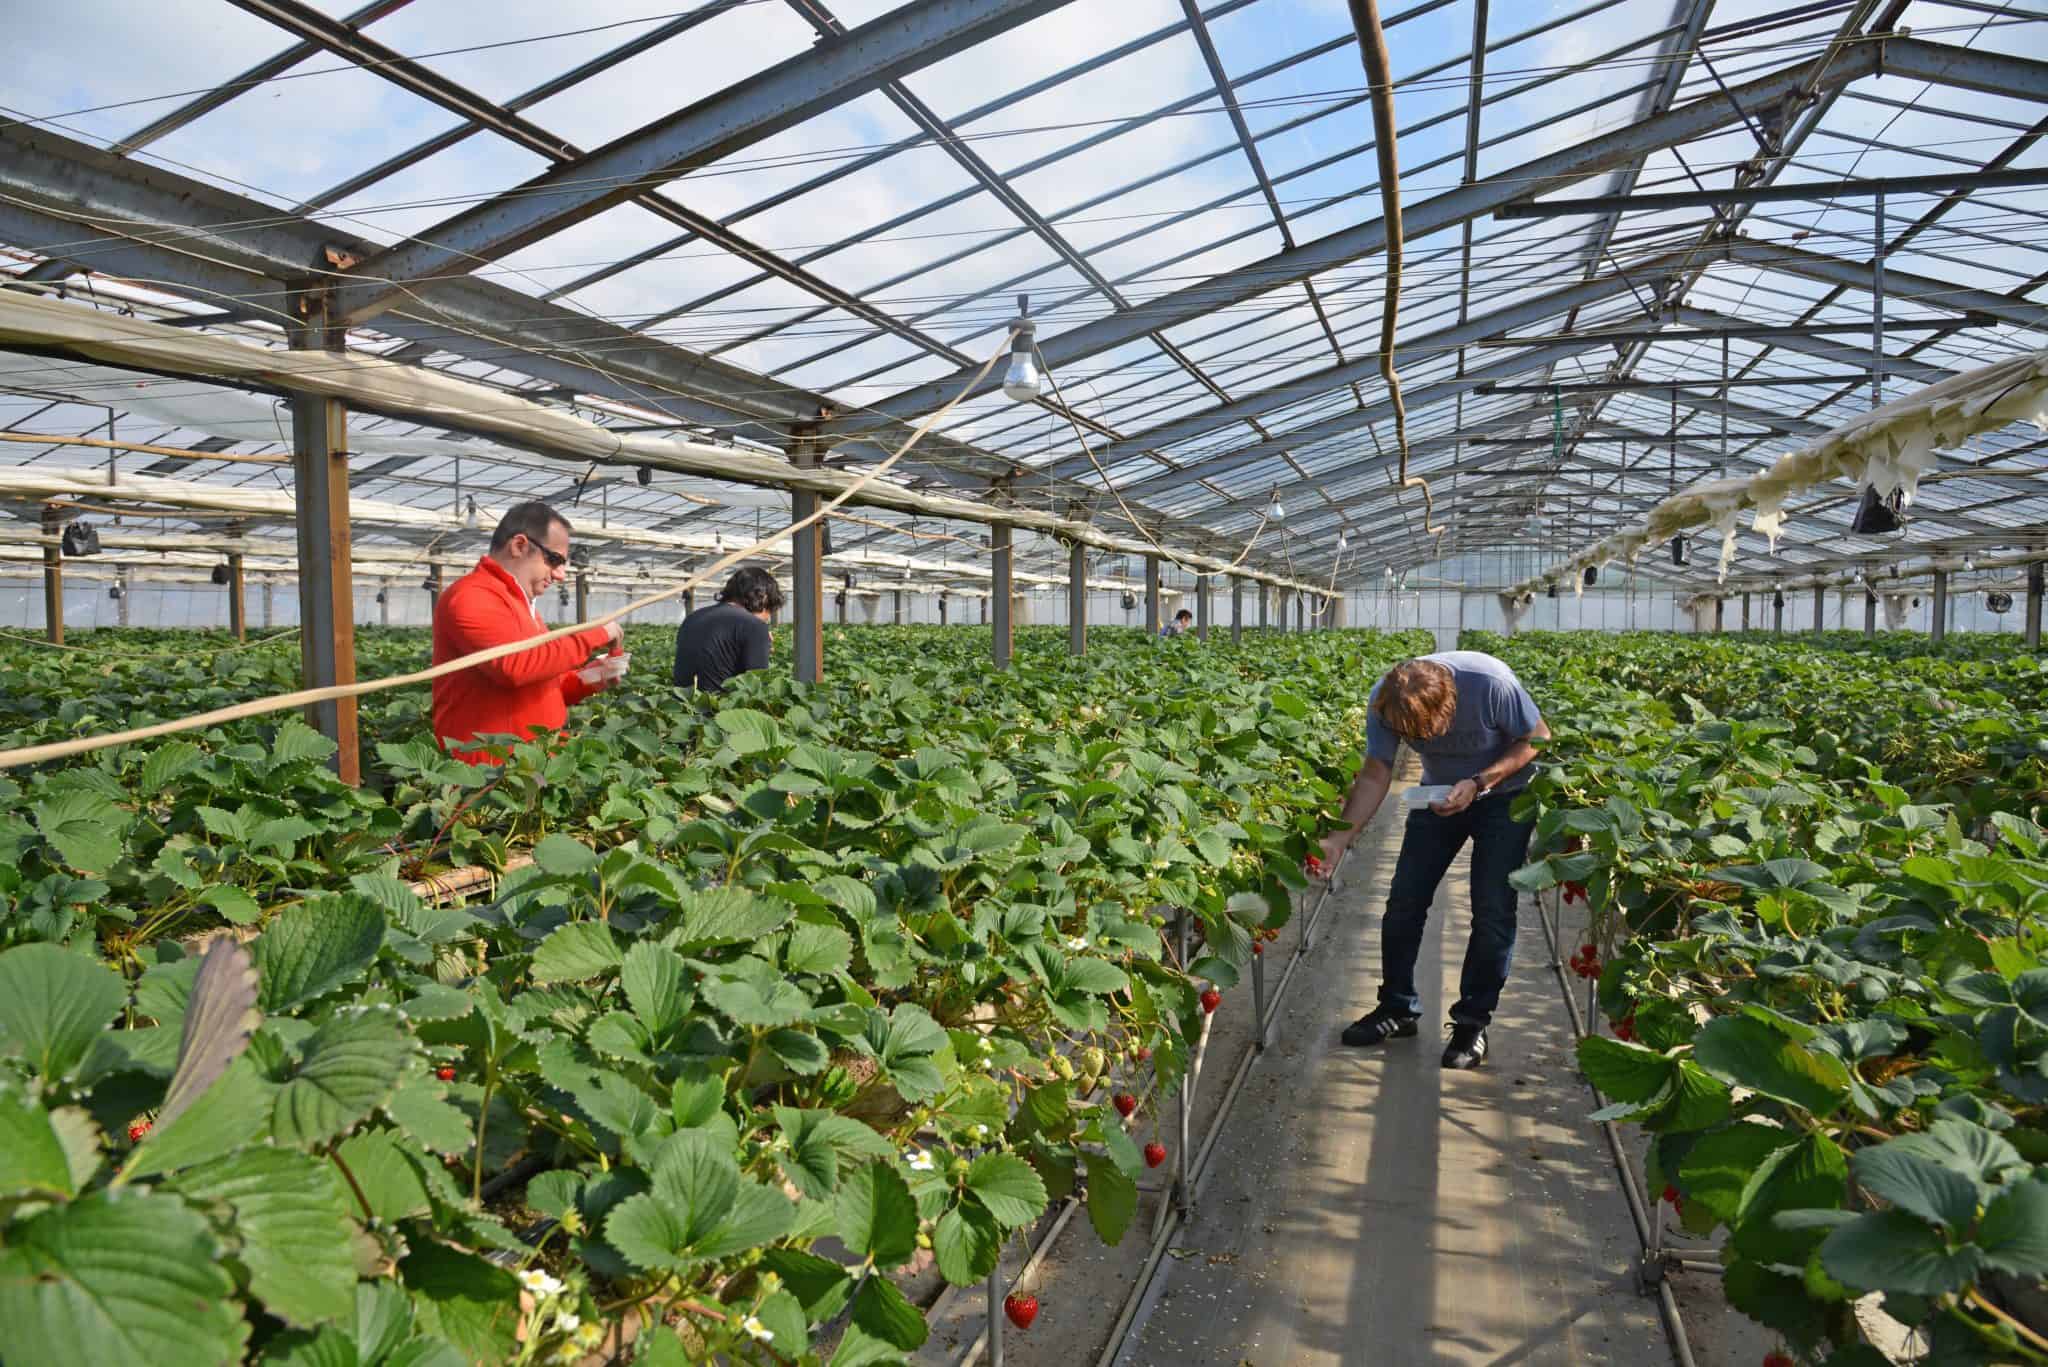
(497, 602)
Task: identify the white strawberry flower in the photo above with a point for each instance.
(919, 1160)
(977, 1131)
(567, 1322)
(589, 1336)
(756, 1330)
(539, 1282)
(1078, 943)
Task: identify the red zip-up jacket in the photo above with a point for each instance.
(517, 695)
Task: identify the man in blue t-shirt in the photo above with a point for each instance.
(1474, 726)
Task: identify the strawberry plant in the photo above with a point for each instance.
(875, 962)
(1822, 917)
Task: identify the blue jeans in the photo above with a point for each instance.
(1500, 845)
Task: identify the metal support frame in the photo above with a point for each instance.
(807, 569)
(896, 605)
(1777, 612)
(1820, 608)
(327, 604)
(53, 580)
(1153, 619)
(583, 595)
(1002, 590)
(1745, 612)
(1236, 610)
(1077, 599)
(238, 598)
(2034, 582)
(1265, 602)
(1869, 611)
(1720, 614)
(1850, 188)
(942, 607)
(786, 94)
(1201, 607)
(1937, 626)
(121, 608)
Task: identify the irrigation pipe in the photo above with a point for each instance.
(1379, 75)
(306, 697)
(1674, 1323)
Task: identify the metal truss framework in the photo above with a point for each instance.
(1212, 315)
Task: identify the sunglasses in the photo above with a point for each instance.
(555, 559)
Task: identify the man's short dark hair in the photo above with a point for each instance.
(753, 589)
(531, 520)
(1184, 616)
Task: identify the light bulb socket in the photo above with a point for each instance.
(1021, 379)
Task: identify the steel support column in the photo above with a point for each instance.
(121, 612)
(1820, 608)
(1937, 626)
(1745, 612)
(1720, 614)
(327, 605)
(1002, 588)
(1265, 620)
(1777, 612)
(1153, 619)
(1236, 610)
(53, 581)
(2034, 606)
(942, 609)
(1077, 599)
(583, 595)
(238, 601)
(807, 569)
(1869, 612)
(434, 589)
(896, 605)
(1201, 607)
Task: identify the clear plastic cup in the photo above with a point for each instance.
(1422, 794)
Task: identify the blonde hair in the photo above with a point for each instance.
(1418, 699)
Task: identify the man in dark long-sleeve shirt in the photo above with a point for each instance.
(730, 636)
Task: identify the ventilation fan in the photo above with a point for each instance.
(1678, 550)
(220, 574)
(1130, 600)
(80, 538)
(1592, 575)
(1998, 601)
(381, 599)
(114, 592)
(1550, 590)
(645, 475)
(1877, 515)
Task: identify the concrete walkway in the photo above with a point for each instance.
(1366, 1207)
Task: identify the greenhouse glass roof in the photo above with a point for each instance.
(756, 220)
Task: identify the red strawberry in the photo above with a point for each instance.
(1625, 1028)
(1779, 1360)
(1314, 866)
(1258, 948)
(1155, 1154)
(1144, 1053)
(1125, 1104)
(1671, 1194)
(1211, 999)
(445, 1073)
(137, 1129)
(1021, 1309)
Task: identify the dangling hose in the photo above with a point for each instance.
(1379, 76)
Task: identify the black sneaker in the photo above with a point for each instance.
(1467, 1048)
(1380, 1024)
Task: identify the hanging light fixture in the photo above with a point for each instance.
(79, 538)
(1021, 380)
(1969, 564)
(1274, 509)
(470, 519)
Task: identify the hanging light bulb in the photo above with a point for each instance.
(1390, 571)
(1343, 543)
(1275, 510)
(1021, 380)
(1969, 564)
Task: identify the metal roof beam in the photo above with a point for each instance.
(1858, 275)
(736, 117)
(1366, 366)
(1605, 152)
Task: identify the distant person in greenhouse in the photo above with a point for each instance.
(1183, 622)
(499, 602)
(730, 636)
(1474, 726)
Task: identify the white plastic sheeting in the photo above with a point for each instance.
(1888, 448)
